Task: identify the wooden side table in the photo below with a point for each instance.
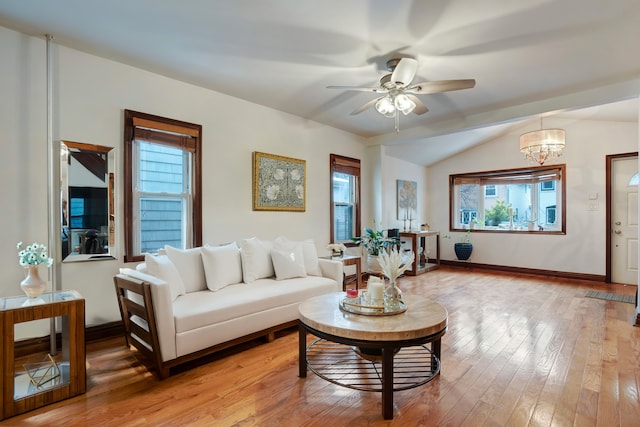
(421, 263)
(34, 383)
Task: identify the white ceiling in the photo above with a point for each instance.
(528, 56)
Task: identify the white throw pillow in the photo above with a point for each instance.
(256, 260)
(189, 265)
(160, 266)
(288, 264)
(309, 253)
(222, 265)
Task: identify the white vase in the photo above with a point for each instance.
(373, 265)
(33, 285)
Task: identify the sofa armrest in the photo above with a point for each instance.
(332, 269)
(162, 310)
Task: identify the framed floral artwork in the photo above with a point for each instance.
(279, 183)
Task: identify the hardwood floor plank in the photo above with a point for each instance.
(520, 350)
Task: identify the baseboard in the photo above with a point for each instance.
(534, 271)
(92, 333)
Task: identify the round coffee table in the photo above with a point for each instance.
(351, 348)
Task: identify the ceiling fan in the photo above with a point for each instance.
(399, 94)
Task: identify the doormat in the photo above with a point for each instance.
(612, 297)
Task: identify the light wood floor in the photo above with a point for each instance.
(520, 351)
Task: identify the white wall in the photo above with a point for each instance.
(394, 169)
(582, 249)
(90, 94)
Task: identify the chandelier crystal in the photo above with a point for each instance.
(542, 145)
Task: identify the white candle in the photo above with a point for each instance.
(375, 289)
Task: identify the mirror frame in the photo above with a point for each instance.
(110, 153)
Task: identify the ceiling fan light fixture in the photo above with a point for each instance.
(404, 104)
(385, 106)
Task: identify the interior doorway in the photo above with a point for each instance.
(622, 218)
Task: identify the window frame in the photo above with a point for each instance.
(193, 144)
(350, 166)
(455, 181)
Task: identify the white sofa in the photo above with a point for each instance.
(183, 304)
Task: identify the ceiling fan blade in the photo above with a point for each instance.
(425, 88)
(405, 71)
(360, 89)
(364, 106)
(420, 107)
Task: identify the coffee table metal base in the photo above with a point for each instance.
(347, 366)
(402, 364)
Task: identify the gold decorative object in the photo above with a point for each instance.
(42, 373)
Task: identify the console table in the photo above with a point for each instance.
(36, 381)
(422, 264)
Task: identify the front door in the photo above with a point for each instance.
(624, 217)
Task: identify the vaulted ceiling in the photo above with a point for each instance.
(527, 57)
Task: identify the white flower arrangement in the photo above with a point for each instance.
(393, 264)
(337, 247)
(33, 254)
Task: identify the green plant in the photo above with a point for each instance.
(466, 237)
(498, 213)
(373, 241)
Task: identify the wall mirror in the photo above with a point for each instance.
(87, 196)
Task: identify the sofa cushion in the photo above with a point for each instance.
(189, 265)
(311, 258)
(222, 265)
(309, 252)
(288, 264)
(201, 309)
(161, 267)
(256, 261)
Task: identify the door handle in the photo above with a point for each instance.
(618, 223)
(617, 231)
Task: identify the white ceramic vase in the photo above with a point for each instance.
(373, 265)
(33, 285)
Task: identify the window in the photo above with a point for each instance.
(162, 164)
(489, 191)
(345, 198)
(548, 185)
(551, 214)
(509, 200)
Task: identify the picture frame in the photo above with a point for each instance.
(407, 196)
(279, 183)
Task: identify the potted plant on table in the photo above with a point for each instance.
(374, 242)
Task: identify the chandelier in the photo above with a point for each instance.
(542, 145)
(393, 104)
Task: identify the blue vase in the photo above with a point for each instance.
(463, 250)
